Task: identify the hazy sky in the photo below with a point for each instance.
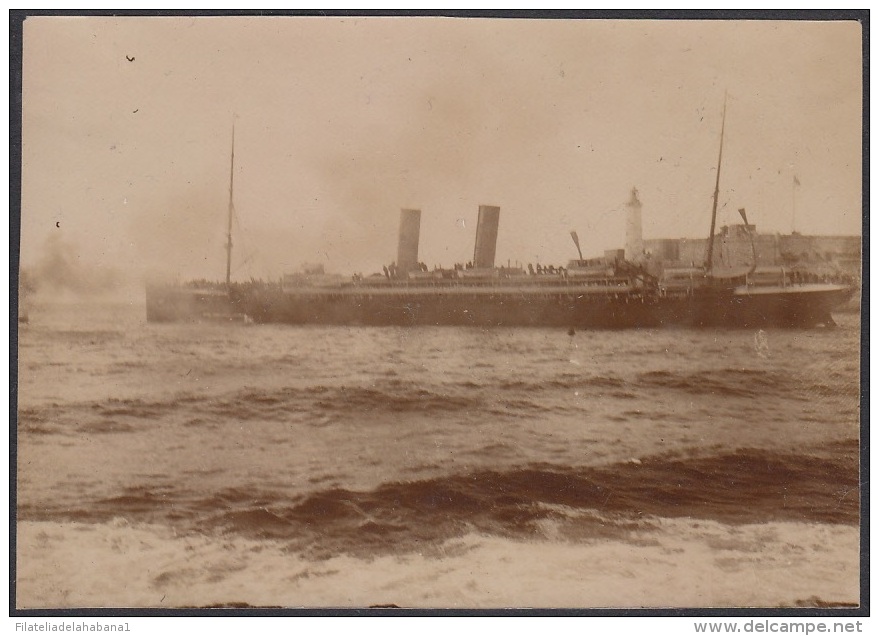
(341, 122)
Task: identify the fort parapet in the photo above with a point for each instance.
(821, 255)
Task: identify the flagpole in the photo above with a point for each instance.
(793, 199)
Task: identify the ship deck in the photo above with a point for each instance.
(526, 285)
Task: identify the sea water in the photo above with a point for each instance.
(181, 465)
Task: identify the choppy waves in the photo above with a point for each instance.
(744, 486)
(495, 396)
(320, 445)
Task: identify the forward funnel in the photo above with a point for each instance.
(407, 247)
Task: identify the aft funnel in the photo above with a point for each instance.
(486, 236)
(407, 247)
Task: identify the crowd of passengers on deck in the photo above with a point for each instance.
(392, 271)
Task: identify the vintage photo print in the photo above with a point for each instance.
(455, 313)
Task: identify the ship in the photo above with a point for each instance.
(615, 291)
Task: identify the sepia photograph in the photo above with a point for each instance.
(456, 313)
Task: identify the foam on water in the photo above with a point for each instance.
(433, 466)
(673, 563)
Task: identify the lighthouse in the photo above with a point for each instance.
(634, 240)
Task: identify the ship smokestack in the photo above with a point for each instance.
(407, 247)
(634, 239)
(486, 236)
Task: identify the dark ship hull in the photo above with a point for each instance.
(527, 304)
(551, 307)
(791, 306)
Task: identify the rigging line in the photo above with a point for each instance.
(248, 255)
(242, 242)
(231, 209)
(709, 257)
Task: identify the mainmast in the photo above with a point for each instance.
(229, 226)
(709, 261)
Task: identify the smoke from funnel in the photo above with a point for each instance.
(60, 269)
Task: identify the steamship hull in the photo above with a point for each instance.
(794, 306)
(745, 307)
